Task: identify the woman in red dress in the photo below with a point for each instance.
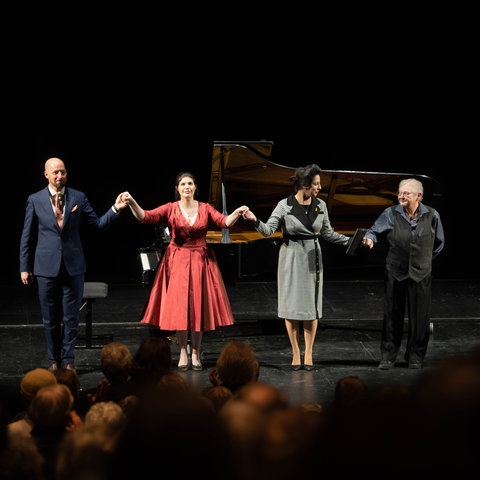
(188, 293)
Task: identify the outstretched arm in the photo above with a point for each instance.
(137, 211)
(236, 214)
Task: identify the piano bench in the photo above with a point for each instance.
(91, 292)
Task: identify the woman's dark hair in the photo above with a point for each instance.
(304, 176)
(178, 180)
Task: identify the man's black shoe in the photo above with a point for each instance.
(415, 364)
(386, 365)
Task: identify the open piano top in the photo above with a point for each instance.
(243, 174)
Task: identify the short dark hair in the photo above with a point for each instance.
(303, 176)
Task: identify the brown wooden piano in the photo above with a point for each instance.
(243, 174)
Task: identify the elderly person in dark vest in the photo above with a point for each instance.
(415, 237)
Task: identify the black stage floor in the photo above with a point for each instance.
(347, 341)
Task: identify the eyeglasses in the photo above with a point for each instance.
(406, 194)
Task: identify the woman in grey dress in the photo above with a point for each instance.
(303, 219)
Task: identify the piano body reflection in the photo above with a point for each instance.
(243, 173)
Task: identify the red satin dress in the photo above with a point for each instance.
(188, 292)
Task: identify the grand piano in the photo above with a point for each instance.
(243, 173)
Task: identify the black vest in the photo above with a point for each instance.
(410, 250)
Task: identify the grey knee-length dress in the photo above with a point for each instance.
(300, 264)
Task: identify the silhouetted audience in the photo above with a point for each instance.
(427, 430)
(174, 434)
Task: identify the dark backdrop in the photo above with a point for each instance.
(127, 103)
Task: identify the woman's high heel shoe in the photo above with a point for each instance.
(297, 366)
(197, 367)
(184, 367)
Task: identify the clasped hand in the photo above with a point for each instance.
(249, 215)
(241, 211)
(120, 202)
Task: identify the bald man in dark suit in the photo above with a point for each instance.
(51, 251)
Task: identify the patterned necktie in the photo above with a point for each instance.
(59, 208)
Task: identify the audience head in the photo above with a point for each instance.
(130, 404)
(188, 430)
(237, 365)
(51, 407)
(106, 419)
(116, 362)
(33, 380)
(70, 378)
(82, 454)
(20, 459)
(151, 361)
(451, 387)
(218, 395)
(264, 396)
(173, 381)
(349, 390)
(245, 426)
(290, 444)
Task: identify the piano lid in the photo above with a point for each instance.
(249, 177)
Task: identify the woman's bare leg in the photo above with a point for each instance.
(182, 339)
(196, 344)
(309, 333)
(293, 335)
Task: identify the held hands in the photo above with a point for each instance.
(120, 202)
(235, 215)
(240, 211)
(137, 211)
(126, 198)
(249, 215)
